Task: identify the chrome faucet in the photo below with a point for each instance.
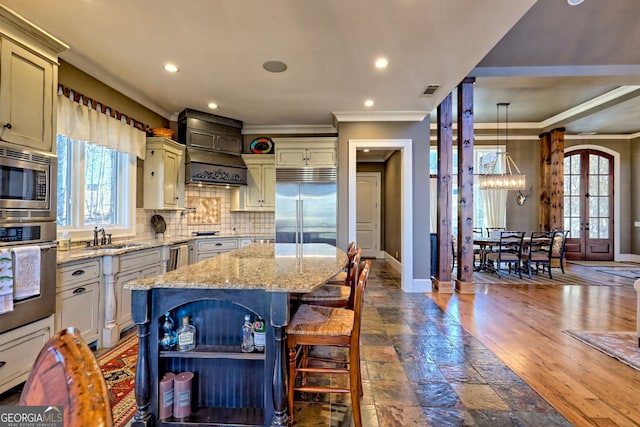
(95, 236)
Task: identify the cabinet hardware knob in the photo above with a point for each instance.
(78, 273)
(7, 125)
(78, 291)
(218, 244)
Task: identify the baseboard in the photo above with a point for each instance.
(421, 285)
(397, 265)
(629, 258)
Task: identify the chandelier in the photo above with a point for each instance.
(502, 181)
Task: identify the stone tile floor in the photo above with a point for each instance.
(421, 368)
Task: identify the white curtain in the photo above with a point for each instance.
(433, 204)
(495, 207)
(80, 122)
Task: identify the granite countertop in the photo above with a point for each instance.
(273, 267)
(119, 248)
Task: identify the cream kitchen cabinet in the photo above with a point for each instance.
(119, 270)
(28, 83)
(19, 348)
(78, 298)
(207, 248)
(260, 191)
(306, 152)
(164, 174)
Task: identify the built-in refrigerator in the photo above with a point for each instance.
(306, 205)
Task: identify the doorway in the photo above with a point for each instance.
(368, 218)
(589, 205)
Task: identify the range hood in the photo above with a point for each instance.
(210, 167)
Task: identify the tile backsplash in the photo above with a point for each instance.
(211, 211)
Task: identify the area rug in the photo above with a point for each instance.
(602, 264)
(623, 272)
(619, 345)
(119, 368)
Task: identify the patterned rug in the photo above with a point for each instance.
(620, 345)
(623, 272)
(119, 368)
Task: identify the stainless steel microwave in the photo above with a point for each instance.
(27, 183)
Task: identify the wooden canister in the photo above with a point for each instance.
(182, 394)
(166, 395)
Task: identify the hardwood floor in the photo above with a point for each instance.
(523, 323)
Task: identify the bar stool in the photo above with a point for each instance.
(315, 325)
(337, 293)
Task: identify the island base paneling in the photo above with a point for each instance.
(229, 387)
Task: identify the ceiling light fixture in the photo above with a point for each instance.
(212, 105)
(366, 150)
(501, 181)
(382, 63)
(368, 103)
(274, 66)
(171, 68)
(574, 2)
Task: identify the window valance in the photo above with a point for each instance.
(78, 121)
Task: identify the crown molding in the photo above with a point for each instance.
(379, 116)
(17, 27)
(288, 129)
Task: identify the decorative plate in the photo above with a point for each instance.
(262, 145)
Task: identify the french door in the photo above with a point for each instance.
(588, 205)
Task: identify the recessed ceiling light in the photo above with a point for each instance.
(212, 105)
(274, 66)
(366, 150)
(574, 2)
(368, 103)
(172, 68)
(382, 62)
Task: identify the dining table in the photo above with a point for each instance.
(486, 245)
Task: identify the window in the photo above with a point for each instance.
(94, 187)
(479, 217)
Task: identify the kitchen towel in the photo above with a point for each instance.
(26, 274)
(6, 281)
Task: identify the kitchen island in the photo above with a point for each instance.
(229, 387)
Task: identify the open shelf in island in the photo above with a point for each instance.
(214, 352)
(210, 416)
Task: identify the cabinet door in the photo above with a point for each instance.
(231, 144)
(321, 157)
(268, 186)
(79, 308)
(294, 157)
(171, 167)
(254, 186)
(26, 97)
(123, 298)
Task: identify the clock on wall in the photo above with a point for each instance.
(261, 145)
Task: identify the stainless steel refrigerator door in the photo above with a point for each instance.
(287, 207)
(318, 208)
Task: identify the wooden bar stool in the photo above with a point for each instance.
(315, 325)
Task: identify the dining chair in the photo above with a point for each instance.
(545, 251)
(509, 251)
(536, 251)
(66, 374)
(314, 325)
(494, 231)
(477, 250)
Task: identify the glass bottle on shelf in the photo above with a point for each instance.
(259, 329)
(168, 341)
(186, 335)
(247, 335)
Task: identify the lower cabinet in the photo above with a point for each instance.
(78, 298)
(229, 387)
(207, 248)
(18, 351)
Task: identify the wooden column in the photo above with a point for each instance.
(556, 214)
(442, 281)
(545, 181)
(464, 280)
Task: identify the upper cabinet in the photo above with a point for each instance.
(28, 82)
(164, 174)
(306, 152)
(260, 191)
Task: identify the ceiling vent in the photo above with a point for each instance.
(430, 90)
